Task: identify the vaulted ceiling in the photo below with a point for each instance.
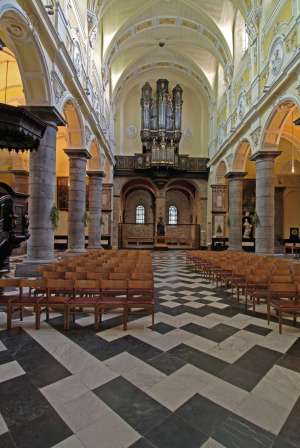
(190, 35)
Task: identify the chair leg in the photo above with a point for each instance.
(47, 315)
(268, 312)
(97, 325)
(37, 317)
(153, 313)
(65, 317)
(8, 317)
(21, 313)
(280, 322)
(125, 318)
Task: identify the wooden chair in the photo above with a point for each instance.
(113, 296)
(6, 297)
(118, 276)
(75, 275)
(36, 290)
(141, 296)
(58, 293)
(87, 294)
(53, 275)
(282, 297)
(142, 276)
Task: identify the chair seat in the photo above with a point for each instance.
(5, 300)
(57, 300)
(285, 304)
(26, 301)
(84, 301)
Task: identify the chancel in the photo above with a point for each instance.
(149, 223)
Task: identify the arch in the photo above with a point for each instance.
(195, 75)
(95, 162)
(17, 33)
(242, 154)
(141, 183)
(273, 128)
(209, 33)
(74, 128)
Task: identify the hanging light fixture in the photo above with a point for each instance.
(293, 146)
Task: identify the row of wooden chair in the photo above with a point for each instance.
(117, 280)
(267, 278)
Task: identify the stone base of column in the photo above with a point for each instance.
(74, 251)
(94, 248)
(29, 268)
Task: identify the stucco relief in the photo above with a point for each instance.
(276, 57)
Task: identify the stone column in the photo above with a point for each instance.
(95, 208)
(160, 206)
(77, 198)
(235, 190)
(265, 202)
(279, 219)
(21, 181)
(42, 180)
(116, 221)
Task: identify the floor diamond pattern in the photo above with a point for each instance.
(207, 375)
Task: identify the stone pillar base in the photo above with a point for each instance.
(74, 251)
(28, 268)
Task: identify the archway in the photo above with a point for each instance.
(138, 213)
(16, 33)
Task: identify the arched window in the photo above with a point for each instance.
(140, 214)
(173, 215)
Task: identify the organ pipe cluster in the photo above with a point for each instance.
(161, 121)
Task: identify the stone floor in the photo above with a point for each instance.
(207, 376)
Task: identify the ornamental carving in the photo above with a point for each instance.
(88, 135)
(291, 41)
(241, 108)
(132, 131)
(276, 57)
(77, 58)
(255, 136)
(58, 87)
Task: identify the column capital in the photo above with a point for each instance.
(235, 174)
(77, 153)
(48, 114)
(24, 173)
(95, 173)
(259, 155)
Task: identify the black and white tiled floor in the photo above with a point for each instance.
(208, 376)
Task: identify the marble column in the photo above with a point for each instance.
(42, 180)
(235, 214)
(265, 201)
(95, 208)
(77, 198)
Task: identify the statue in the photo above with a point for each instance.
(160, 227)
(247, 229)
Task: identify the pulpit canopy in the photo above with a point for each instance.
(20, 129)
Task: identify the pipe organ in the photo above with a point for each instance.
(161, 122)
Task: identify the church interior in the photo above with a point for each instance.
(149, 223)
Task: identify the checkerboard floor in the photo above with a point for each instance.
(207, 376)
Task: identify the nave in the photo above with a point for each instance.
(207, 375)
